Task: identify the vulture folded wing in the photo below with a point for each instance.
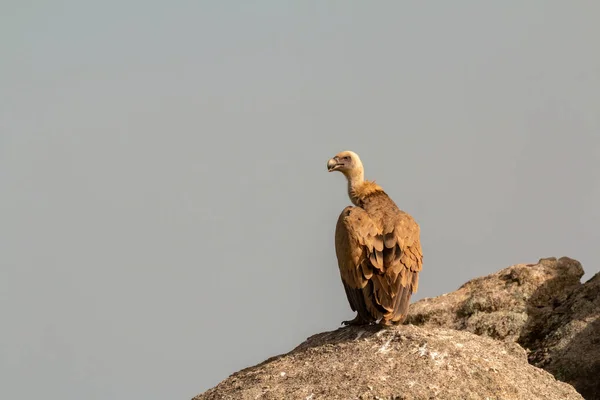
(356, 238)
(379, 267)
(403, 251)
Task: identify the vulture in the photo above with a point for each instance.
(378, 249)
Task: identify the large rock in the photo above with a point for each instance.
(543, 307)
(498, 305)
(564, 338)
(405, 362)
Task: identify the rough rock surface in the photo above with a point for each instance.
(498, 305)
(404, 362)
(564, 338)
(543, 307)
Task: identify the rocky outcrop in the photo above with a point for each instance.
(544, 307)
(485, 340)
(564, 338)
(498, 305)
(404, 362)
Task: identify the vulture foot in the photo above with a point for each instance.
(358, 320)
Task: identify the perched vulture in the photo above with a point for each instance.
(377, 247)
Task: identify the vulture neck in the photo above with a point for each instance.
(359, 189)
(356, 180)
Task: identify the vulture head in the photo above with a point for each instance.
(347, 162)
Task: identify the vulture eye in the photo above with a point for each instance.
(346, 158)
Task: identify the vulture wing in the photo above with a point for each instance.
(402, 260)
(356, 238)
(379, 265)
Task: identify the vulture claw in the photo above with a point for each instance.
(358, 320)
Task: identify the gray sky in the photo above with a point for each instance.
(167, 217)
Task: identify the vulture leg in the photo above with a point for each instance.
(358, 320)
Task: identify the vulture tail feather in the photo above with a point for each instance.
(402, 301)
(357, 302)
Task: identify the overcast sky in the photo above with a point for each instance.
(166, 214)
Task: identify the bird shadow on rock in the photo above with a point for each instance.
(562, 333)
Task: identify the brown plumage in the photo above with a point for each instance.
(378, 248)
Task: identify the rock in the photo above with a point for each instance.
(564, 338)
(404, 362)
(498, 305)
(543, 307)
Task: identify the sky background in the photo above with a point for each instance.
(166, 217)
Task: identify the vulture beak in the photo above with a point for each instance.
(333, 164)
